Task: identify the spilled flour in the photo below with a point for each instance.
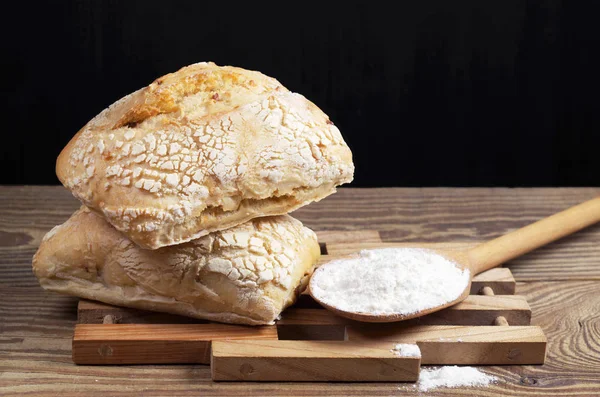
(389, 281)
(406, 350)
(452, 376)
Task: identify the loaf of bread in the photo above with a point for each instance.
(203, 149)
(246, 275)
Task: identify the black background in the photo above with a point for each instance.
(432, 93)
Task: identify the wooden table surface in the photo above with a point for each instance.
(560, 281)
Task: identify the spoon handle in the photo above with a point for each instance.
(492, 253)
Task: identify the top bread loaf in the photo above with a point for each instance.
(203, 149)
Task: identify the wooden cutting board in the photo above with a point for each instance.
(308, 343)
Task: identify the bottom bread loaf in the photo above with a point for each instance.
(246, 275)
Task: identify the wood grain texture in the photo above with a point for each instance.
(349, 236)
(461, 345)
(156, 343)
(467, 215)
(535, 235)
(36, 327)
(310, 361)
(408, 215)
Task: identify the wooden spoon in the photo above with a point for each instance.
(495, 252)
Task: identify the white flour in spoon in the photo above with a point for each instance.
(389, 281)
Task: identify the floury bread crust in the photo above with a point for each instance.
(244, 275)
(203, 149)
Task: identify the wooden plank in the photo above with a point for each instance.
(462, 345)
(482, 310)
(92, 312)
(500, 280)
(312, 361)
(475, 310)
(311, 324)
(156, 343)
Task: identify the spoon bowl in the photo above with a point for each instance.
(488, 255)
(394, 317)
(457, 257)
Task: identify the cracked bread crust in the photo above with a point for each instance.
(201, 150)
(244, 275)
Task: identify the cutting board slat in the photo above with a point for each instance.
(156, 343)
(310, 361)
(499, 279)
(461, 345)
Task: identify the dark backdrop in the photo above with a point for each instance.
(454, 93)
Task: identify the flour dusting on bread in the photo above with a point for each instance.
(203, 149)
(247, 274)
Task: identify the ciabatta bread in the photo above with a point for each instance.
(203, 149)
(246, 275)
